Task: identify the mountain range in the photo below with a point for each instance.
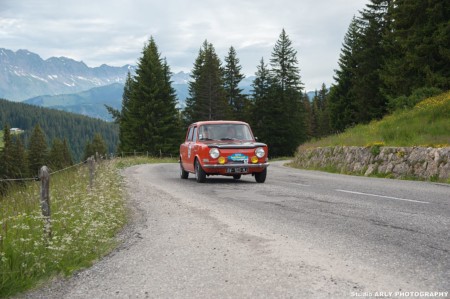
(65, 84)
(24, 75)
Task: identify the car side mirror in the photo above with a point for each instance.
(256, 138)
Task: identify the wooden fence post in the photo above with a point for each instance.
(44, 176)
(91, 163)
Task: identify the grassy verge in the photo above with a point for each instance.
(280, 158)
(427, 124)
(84, 225)
(130, 161)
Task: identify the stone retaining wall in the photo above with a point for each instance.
(415, 162)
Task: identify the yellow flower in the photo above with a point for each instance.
(434, 101)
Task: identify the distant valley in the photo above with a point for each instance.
(90, 103)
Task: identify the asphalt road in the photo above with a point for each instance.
(302, 234)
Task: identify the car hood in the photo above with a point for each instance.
(234, 144)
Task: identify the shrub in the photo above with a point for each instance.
(408, 102)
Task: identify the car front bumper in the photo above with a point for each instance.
(225, 166)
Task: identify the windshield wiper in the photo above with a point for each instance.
(227, 138)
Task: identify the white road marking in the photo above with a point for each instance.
(382, 196)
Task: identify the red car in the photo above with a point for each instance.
(222, 148)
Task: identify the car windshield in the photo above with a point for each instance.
(225, 132)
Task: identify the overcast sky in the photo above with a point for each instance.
(114, 32)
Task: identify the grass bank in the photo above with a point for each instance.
(427, 124)
(84, 224)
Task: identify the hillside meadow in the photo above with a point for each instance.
(427, 125)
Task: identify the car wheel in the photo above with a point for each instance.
(183, 173)
(237, 176)
(260, 177)
(200, 174)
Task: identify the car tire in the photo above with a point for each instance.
(183, 173)
(237, 176)
(200, 174)
(260, 177)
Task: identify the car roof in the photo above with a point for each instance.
(219, 122)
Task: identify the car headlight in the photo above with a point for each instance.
(260, 152)
(214, 153)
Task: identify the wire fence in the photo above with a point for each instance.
(36, 178)
(98, 157)
(45, 174)
(44, 178)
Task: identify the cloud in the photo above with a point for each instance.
(115, 31)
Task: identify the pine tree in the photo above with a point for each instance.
(417, 46)
(19, 158)
(190, 113)
(262, 115)
(323, 117)
(5, 159)
(285, 72)
(232, 77)
(310, 117)
(88, 150)
(342, 100)
(169, 123)
(6, 154)
(289, 130)
(67, 156)
(149, 120)
(207, 99)
(56, 155)
(96, 147)
(124, 118)
(37, 150)
(320, 119)
(367, 84)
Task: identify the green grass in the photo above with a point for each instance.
(427, 124)
(84, 225)
(280, 158)
(130, 161)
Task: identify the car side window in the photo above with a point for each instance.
(190, 134)
(194, 138)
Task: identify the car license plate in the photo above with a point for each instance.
(237, 170)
